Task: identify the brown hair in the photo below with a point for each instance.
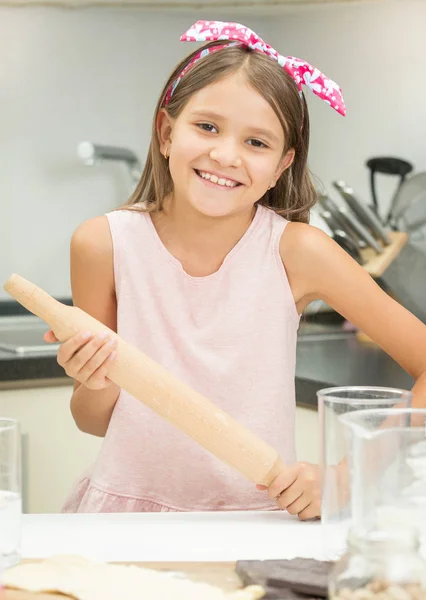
(294, 194)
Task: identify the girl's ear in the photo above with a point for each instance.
(164, 130)
(285, 163)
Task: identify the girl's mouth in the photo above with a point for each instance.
(216, 181)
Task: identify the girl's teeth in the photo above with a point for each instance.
(215, 179)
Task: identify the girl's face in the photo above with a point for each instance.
(226, 148)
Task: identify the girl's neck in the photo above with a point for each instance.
(200, 243)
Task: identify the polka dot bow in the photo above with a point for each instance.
(302, 72)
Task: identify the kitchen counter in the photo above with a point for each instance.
(343, 361)
(327, 356)
(30, 371)
(202, 546)
(324, 360)
(26, 369)
(172, 537)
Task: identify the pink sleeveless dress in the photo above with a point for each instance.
(230, 335)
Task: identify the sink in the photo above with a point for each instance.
(23, 336)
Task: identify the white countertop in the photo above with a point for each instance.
(170, 537)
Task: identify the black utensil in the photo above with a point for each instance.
(388, 166)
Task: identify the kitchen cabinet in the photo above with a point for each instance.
(55, 452)
(307, 435)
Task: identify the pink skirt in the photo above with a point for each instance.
(87, 498)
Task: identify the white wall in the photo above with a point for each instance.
(72, 75)
(375, 51)
(67, 76)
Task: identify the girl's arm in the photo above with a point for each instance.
(92, 283)
(318, 268)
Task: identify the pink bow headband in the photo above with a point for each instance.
(301, 71)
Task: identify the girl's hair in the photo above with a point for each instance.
(294, 194)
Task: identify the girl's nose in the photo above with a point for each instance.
(226, 155)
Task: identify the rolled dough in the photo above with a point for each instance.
(85, 579)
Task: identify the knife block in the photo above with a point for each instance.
(376, 264)
(400, 271)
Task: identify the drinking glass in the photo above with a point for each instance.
(388, 469)
(336, 514)
(10, 492)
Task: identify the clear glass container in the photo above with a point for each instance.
(10, 492)
(336, 513)
(387, 469)
(385, 565)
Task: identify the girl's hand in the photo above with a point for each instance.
(50, 337)
(298, 490)
(86, 358)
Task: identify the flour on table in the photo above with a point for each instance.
(85, 579)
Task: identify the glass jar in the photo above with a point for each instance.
(336, 501)
(387, 450)
(383, 565)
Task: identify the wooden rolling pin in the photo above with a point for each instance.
(153, 385)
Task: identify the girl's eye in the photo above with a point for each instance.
(207, 127)
(257, 143)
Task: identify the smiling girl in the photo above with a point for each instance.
(207, 270)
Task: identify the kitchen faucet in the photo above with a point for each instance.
(92, 154)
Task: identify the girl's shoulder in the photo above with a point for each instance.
(92, 236)
(92, 273)
(304, 250)
(304, 247)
